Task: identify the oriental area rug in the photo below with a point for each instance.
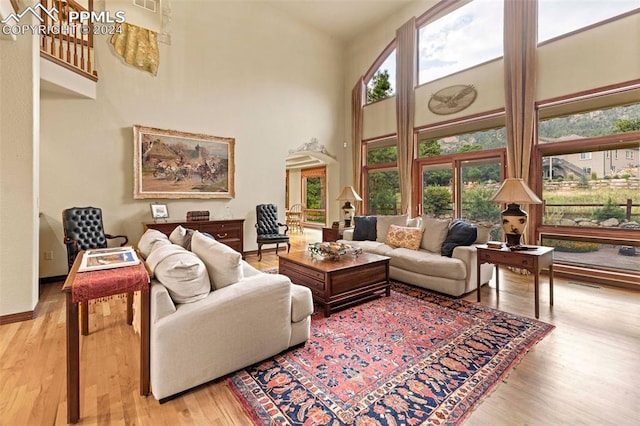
(415, 357)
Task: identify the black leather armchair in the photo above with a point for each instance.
(83, 230)
(268, 228)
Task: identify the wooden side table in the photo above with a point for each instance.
(532, 260)
(80, 287)
(333, 234)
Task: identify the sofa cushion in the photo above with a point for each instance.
(403, 236)
(301, 303)
(365, 228)
(150, 239)
(177, 235)
(182, 236)
(370, 246)
(223, 263)
(484, 232)
(414, 222)
(435, 232)
(384, 222)
(425, 263)
(460, 233)
(181, 272)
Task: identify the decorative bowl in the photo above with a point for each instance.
(331, 250)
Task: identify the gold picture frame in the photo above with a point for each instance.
(171, 164)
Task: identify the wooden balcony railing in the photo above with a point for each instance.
(67, 43)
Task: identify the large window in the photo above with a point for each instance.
(475, 141)
(460, 39)
(382, 83)
(381, 179)
(590, 192)
(557, 17)
(460, 186)
(459, 173)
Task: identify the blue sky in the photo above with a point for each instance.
(473, 33)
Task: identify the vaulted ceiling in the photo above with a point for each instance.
(341, 19)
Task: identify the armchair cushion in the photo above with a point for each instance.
(224, 264)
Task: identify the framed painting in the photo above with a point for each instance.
(159, 211)
(171, 164)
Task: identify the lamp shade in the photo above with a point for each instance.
(349, 194)
(514, 190)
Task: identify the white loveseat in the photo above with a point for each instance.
(221, 330)
(426, 267)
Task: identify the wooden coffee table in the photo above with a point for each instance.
(341, 283)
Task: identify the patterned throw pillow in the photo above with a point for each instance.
(402, 236)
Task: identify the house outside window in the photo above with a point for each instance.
(585, 156)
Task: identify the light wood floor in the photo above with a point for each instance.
(585, 372)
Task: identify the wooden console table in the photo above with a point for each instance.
(80, 287)
(533, 261)
(227, 231)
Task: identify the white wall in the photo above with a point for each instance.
(19, 140)
(233, 69)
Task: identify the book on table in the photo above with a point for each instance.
(108, 258)
(495, 244)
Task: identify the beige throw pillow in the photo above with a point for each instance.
(484, 232)
(177, 235)
(181, 272)
(435, 232)
(223, 263)
(384, 222)
(151, 239)
(406, 237)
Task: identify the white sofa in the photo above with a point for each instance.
(222, 330)
(455, 275)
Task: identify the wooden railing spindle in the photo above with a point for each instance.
(57, 45)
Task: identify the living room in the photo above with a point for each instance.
(245, 70)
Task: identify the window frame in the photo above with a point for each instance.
(375, 67)
(455, 162)
(380, 167)
(599, 143)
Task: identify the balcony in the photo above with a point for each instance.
(67, 63)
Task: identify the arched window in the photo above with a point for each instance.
(381, 81)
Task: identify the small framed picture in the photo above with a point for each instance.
(159, 211)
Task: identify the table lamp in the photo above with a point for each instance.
(348, 210)
(514, 191)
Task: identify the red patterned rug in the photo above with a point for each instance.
(412, 358)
